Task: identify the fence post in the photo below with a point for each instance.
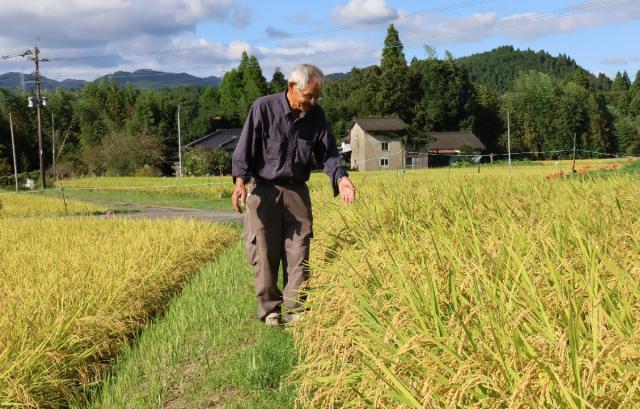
(64, 200)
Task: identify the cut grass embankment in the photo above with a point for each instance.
(73, 291)
(160, 197)
(192, 192)
(208, 350)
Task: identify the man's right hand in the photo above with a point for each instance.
(239, 195)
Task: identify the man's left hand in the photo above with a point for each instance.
(347, 191)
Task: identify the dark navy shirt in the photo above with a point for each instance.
(273, 145)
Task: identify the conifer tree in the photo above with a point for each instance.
(278, 81)
(394, 79)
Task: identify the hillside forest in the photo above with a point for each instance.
(106, 129)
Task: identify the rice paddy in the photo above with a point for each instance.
(478, 287)
(491, 290)
(73, 291)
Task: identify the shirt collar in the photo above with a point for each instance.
(286, 109)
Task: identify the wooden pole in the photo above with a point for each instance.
(13, 148)
(53, 148)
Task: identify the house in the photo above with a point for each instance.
(452, 142)
(226, 139)
(376, 143)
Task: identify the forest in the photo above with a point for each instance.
(105, 129)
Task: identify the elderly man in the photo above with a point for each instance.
(280, 134)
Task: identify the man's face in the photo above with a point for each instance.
(308, 96)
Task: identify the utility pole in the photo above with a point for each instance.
(179, 173)
(35, 57)
(53, 148)
(573, 167)
(13, 148)
(509, 136)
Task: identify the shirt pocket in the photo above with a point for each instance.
(305, 148)
(273, 149)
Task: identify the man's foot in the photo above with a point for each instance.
(272, 320)
(293, 319)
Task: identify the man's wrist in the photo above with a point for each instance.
(242, 180)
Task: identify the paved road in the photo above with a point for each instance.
(140, 211)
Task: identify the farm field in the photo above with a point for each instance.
(73, 291)
(460, 289)
(36, 205)
(437, 288)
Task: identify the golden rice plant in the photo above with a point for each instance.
(35, 205)
(73, 292)
(480, 291)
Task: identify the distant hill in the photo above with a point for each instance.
(339, 75)
(142, 79)
(496, 69)
(25, 82)
(158, 79)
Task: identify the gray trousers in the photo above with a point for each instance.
(278, 228)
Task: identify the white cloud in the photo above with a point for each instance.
(77, 23)
(615, 60)
(364, 12)
(327, 53)
(431, 29)
(241, 17)
(437, 29)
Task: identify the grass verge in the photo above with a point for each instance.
(159, 198)
(208, 350)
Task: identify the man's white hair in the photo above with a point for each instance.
(303, 73)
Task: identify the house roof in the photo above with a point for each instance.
(389, 124)
(454, 140)
(218, 139)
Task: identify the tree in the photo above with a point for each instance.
(393, 96)
(201, 162)
(278, 81)
(621, 82)
(547, 114)
(230, 93)
(487, 125)
(240, 87)
(124, 154)
(444, 100)
(254, 84)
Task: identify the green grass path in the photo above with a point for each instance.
(207, 350)
(170, 199)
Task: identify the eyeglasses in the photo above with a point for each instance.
(309, 97)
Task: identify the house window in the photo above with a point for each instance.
(385, 146)
(384, 162)
(408, 162)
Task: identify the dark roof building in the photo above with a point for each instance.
(226, 139)
(387, 125)
(449, 142)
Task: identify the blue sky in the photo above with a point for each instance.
(89, 38)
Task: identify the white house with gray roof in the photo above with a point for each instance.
(376, 144)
